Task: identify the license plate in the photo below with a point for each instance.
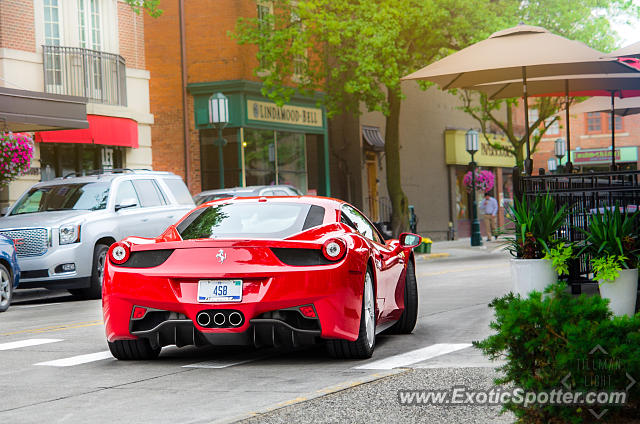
(220, 291)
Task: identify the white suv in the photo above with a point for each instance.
(62, 229)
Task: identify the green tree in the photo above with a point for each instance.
(356, 54)
(151, 6)
(584, 20)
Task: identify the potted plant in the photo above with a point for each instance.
(612, 242)
(16, 151)
(536, 225)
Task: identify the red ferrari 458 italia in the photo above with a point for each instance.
(277, 271)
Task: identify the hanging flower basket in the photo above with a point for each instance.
(484, 181)
(16, 152)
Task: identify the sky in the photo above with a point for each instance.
(629, 34)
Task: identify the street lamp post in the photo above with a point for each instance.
(471, 139)
(552, 165)
(560, 149)
(219, 118)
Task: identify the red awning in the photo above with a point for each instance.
(105, 130)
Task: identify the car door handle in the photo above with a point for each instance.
(170, 216)
(144, 219)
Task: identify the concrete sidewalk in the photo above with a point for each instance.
(461, 248)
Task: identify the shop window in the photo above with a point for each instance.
(291, 159)
(58, 159)
(265, 12)
(259, 157)
(594, 122)
(210, 162)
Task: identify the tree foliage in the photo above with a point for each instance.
(356, 52)
(151, 6)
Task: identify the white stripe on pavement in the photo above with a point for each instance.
(27, 342)
(77, 360)
(221, 363)
(414, 356)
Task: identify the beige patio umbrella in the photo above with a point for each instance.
(518, 53)
(611, 85)
(623, 107)
(632, 50)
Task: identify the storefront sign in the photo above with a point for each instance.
(488, 155)
(287, 114)
(594, 156)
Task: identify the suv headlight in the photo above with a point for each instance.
(69, 234)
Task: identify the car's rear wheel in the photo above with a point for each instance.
(362, 347)
(94, 291)
(409, 317)
(134, 350)
(6, 288)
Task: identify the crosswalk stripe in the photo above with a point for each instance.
(221, 363)
(26, 343)
(77, 360)
(414, 356)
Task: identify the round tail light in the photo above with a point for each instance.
(334, 249)
(119, 253)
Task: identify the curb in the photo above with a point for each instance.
(314, 395)
(428, 256)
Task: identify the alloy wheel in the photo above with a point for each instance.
(5, 288)
(369, 310)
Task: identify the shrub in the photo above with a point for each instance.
(545, 338)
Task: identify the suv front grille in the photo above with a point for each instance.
(29, 241)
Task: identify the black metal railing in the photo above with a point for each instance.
(584, 194)
(96, 75)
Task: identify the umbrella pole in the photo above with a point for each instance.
(613, 132)
(528, 166)
(569, 165)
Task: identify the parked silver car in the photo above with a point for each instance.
(63, 228)
(250, 191)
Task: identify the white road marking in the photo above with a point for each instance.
(26, 343)
(77, 360)
(414, 356)
(221, 363)
(35, 306)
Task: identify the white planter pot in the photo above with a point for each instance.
(621, 292)
(528, 275)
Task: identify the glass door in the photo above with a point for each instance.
(291, 160)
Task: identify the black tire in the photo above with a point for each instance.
(6, 288)
(407, 321)
(361, 348)
(94, 291)
(133, 350)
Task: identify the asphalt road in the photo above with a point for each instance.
(55, 365)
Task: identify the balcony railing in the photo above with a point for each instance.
(96, 75)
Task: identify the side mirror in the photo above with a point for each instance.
(409, 240)
(127, 203)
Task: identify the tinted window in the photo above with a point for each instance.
(82, 196)
(252, 220)
(179, 191)
(362, 225)
(148, 193)
(126, 194)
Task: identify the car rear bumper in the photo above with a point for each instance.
(335, 292)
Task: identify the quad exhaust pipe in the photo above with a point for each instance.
(219, 319)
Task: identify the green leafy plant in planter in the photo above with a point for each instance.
(546, 340)
(612, 234)
(536, 224)
(559, 255)
(611, 240)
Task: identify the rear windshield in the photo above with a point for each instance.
(250, 220)
(84, 196)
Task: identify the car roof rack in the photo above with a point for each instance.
(106, 171)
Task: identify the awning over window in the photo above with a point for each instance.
(105, 130)
(24, 110)
(373, 137)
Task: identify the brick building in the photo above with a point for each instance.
(88, 48)
(191, 57)
(591, 142)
